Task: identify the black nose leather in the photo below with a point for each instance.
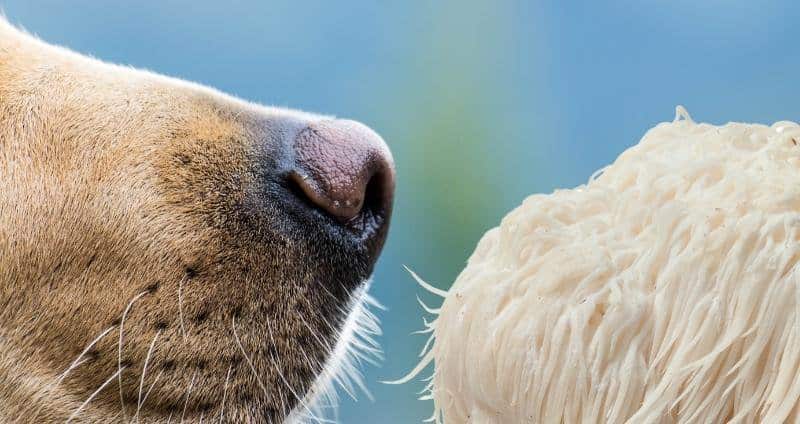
(344, 168)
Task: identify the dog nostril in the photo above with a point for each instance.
(343, 167)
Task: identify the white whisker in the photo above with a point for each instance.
(286, 382)
(93, 395)
(225, 393)
(328, 350)
(153, 385)
(119, 351)
(75, 364)
(252, 367)
(144, 373)
(247, 357)
(354, 343)
(80, 360)
(325, 345)
(188, 393)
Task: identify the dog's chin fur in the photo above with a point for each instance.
(356, 343)
(152, 265)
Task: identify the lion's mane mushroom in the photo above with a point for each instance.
(666, 289)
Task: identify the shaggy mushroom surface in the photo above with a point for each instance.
(666, 289)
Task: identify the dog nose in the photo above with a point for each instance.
(345, 169)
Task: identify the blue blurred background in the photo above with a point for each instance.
(482, 101)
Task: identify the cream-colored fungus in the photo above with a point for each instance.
(666, 289)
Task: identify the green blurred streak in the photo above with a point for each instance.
(451, 170)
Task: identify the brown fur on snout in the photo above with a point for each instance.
(148, 269)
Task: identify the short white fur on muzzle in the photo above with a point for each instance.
(666, 289)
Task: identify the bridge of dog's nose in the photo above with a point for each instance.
(344, 168)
